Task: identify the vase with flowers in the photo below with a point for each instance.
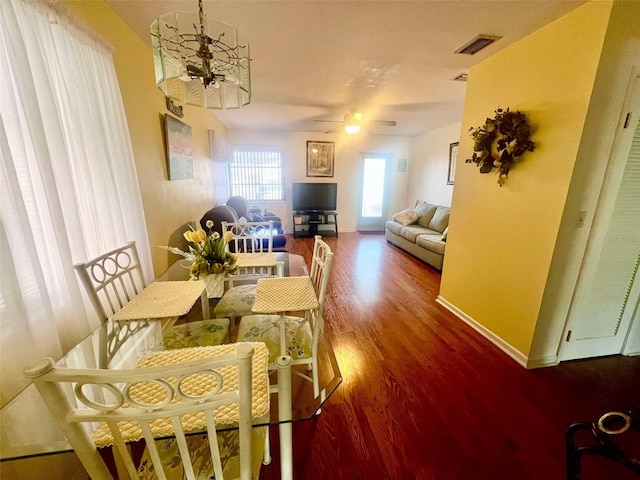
(210, 258)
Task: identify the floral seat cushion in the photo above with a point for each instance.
(237, 301)
(197, 334)
(266, 328)
(228, 444)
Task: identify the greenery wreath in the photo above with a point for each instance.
(512, 132)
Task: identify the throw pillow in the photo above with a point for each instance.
(440, 219)
(406, 217)
(444, 235)
(426, 211)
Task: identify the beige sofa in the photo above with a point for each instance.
(421, 231)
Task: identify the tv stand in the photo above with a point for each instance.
(306, 223)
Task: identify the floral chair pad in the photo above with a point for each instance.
(228, 444)
(266, 328)
(197, 334)
(236, 301)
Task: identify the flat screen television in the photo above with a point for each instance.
(313, 197)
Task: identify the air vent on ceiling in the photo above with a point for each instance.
(477, 44)
(462, 77)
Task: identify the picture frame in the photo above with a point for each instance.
(179, 149)
(320, 158)
(453, 157)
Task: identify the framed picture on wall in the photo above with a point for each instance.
(179, 149)
(453, 156)
(320, 159)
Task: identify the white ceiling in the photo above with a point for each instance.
(393, 60)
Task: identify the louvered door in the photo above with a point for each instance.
(607, 295)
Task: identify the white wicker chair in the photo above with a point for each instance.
(114, 278)
(187, 394)
(302, 333)
(240, 290)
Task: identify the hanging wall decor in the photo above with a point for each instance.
(320, 159)
(511, 131)
(179, 149)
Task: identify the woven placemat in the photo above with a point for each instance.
(265, 259)
(284, 294)
(162, 299)
(197, 385)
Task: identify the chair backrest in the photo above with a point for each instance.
(112, 279)
(320, 269)
(160, 401)
(250, 237)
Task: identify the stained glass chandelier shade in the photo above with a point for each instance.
(199, 62)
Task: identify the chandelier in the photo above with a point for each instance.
(200, 63)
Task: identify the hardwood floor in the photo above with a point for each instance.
(424, 396)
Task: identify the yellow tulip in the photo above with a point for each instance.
(199, 236)
(228, 236)
(187, 235)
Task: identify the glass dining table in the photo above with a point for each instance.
(28, 430)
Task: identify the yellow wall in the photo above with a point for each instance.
(168, 205)
(501, 240)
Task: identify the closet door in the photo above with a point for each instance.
(607, 295)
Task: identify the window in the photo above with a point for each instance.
(257, 173)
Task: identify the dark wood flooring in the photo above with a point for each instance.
(426, 397)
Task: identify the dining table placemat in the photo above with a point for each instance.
(284, 294)
(162, 299)
(198, 385)
(258, 259)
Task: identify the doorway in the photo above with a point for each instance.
(374, 173)
(607, 295)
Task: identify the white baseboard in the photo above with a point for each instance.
(540, 362)
(486, 333)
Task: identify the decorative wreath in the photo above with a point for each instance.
(512, 132)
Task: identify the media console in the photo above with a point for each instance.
(305, 224)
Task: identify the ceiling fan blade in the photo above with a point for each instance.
(331, 121)
(334, 129)
(388, 123)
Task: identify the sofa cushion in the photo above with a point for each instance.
(433, 243)
(393, 226)
(406, 217)
(440, 219)
(426, 211)
(412, 231)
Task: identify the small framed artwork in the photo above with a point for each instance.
(320, 159)
(453, 156)
(179, 149)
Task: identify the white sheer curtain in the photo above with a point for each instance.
(68, 184)
(221, 155)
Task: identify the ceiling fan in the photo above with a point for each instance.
(354, 120)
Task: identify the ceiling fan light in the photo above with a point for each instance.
(351, 129)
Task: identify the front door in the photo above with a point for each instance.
(608, 292)
(373, 193)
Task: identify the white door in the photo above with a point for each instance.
(607, 294)
(373, 195)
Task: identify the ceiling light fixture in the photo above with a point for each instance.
(352, 122)
(198, 67)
